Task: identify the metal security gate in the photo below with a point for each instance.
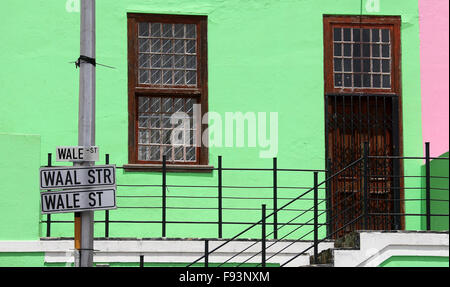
(352, 120)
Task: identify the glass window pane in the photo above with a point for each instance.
(155, 46)
(338, 49)
(338, 64)
(376, 65)
(356, 50)
(375, 50)
(356, 35)
(347, 49)
(347, 65)
(155, 30)
(366, 50)
(386, 66)
(347, 34)
(366, 35)
(155, 153)
(385, 51)
(375, 35)
(191, 31)
(385, 35)
(366, 80)
(155, 78)
(376, 79)
(179, 31)
(357, 65)
(386, 81)
(337, 34)
(191, 77)
(338, 80)
(348, 80)
(357, 80)
(143, 29)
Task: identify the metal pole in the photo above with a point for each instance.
(206, 253)
(106, 211)
(86, 118)
(263, 236)
(427, 184)
(366, 185)
(316, 213)
(164, 197)
(275, 199)
(220, 195)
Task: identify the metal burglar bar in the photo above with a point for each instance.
(352, 120)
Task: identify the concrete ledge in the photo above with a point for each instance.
(168, 250)
(378, 246)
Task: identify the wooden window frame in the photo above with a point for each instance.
(199, 92)
(387, 22)
(394, 24)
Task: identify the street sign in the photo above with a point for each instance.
(77, 153)
(78, 200)
(77, 177)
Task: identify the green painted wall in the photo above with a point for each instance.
(439, 193)
(19, 187)
(263, 56)
(416, 261)
(21, 259)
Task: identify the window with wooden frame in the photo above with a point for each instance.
(363, 104)
(362, 54)
(167, 85)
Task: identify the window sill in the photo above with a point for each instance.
(169, 167)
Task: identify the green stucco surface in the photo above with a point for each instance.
(19, 187)
(21, 259)
(439, 205)
(416, 261)
(263, 56)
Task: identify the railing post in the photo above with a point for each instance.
(275, 200)
(427, 184)
(141, 261)
(206, 252)
(49, 216)
(263, 236)
(316, 213)
(106, 211)
(328, 196)
(366, 185)
(219, 197)
(164, 197)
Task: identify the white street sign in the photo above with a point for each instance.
(77, 177)
(78, 200)
(77, 153)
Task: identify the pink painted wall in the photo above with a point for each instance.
(434, 51)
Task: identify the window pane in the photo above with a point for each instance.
(338, 49)
(348, 80)
(338, 64)
(337, 34)
(356, 35)
(338, 80)
(375, 35)
(386, 81)
(376, 79)
(347, 65)
(385, 35)
(347, 34)
(157, 49)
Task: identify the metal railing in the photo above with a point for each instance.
(363, 220)
(217, 198)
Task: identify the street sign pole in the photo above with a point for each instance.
(86, 124)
